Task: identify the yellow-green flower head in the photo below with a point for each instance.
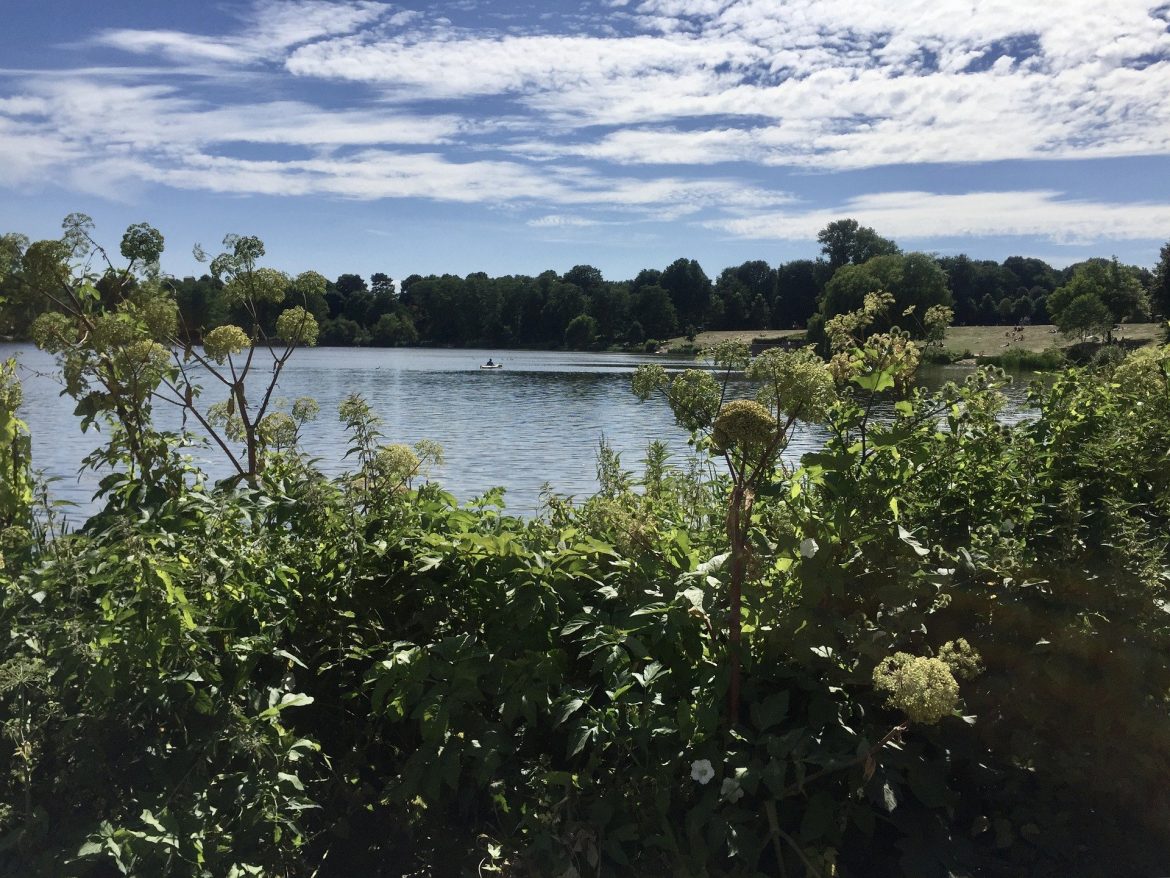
(895, 352)
(964, 662)
(877, 304)
(111, 331)
(258, 285)
(309, 283)
(843, 366)
(924, 689)
(937, 317)
(53, 332)
(397, 462)
(224, 341)
(842, 329)
(647, 379)
(15, 538)
(297, 326)
(223, 414)
(745, 423)
(158, 313)
(145, 361)
(305, 409)
(728, 355)
(694, 399)
(795, 383)
(147, 353)
(278, 430)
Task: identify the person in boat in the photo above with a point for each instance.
(489, 362)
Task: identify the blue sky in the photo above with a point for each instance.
(516, 137)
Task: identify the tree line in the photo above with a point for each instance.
(581, 309)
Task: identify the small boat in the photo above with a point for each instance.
(491, 365)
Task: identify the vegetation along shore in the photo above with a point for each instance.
(940, 645)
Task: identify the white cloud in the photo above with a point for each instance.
(560, 221)
(271, 27)
(892, 81)
(927, 215)
(558, 123)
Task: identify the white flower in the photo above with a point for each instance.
(809, 547)
(702, 771)
(731, 790)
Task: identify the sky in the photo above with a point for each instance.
(511, 138)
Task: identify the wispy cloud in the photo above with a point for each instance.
(619, 111)
(925, 215)
(269, 29)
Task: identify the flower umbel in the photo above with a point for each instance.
(922, 688)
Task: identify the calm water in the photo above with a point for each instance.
(536, 421)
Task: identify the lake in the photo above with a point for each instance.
(537, 421)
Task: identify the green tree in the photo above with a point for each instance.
(1160, 284)
(689, 288)
(798, 286)
(845, 241)
(1084, 315)
(654, 310)
(915, 281)
(1112, 284)
(581, 333)
(394, 330)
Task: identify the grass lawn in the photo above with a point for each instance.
(990, 341)
(706, 339)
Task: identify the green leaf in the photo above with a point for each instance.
(291, 779)
(567, 710)
(771, 711)
(289, 699)
(580, 738)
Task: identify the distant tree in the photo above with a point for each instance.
(845, 241)
(1114, 285)
(581, 333)
(647, 277)
(689, 288)
(394, 330)
(405, 287)
(653, 309)
(1084, 315)
(798, 286)
(12, 247)
(585, 277)
(988, 310)
(758, 313)
(609, 305)
(357, 306)
(1030, 272)
(565, 302)
(381, 284)
(347, 284)
(915, 281)
(200, 305)
(1160, 283)
(758, 278)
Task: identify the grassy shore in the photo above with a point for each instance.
(990, 341)
(976, 341)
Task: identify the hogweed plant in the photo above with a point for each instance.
(116, 334)
(750, 435)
